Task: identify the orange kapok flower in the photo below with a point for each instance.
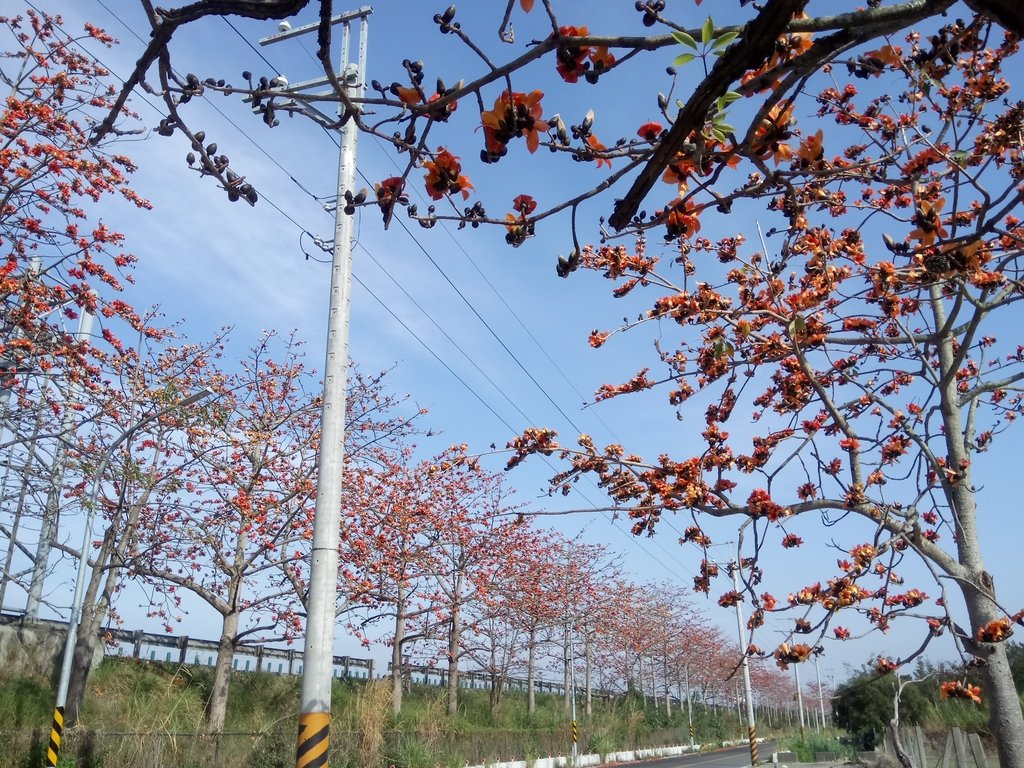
(884, 666)
(524, 204)
(771, 134)
(682, 221)
(389, 192)
(572, 60)
(650, 131)
(811, 149)
(514, 114)
(994, 632)
(928, 221)
(408, 96)
(954, 689)
(444, 176)
(786, 654)
(601, 57)
(595, 144)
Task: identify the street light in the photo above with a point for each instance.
(57, 728)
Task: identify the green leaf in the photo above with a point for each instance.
(683, 58)
(724, 348)
(707, 32)
(727, 99)
(960, 157)
(685, 39)
(724, 39)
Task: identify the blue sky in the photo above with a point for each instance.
(212, 264)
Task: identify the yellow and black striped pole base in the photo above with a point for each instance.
(314, 740)
(575, 733)
(693, 731)
(56, 731)
(753, 746)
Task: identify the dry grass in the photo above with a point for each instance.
(373, 717)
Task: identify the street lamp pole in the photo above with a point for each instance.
(572, 684)
(689, 703)
(53, 750)
(748, 694)
(799, 698)
(821, 697)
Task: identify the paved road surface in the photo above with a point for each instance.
(734, 757)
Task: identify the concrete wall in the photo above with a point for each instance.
(34, 651)
(26, 650)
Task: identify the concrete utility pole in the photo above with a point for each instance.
(313, 747)
(57, 728)
(748, 694)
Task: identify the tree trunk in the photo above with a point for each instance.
(497, 678)
(217, 705)
(93, 611)
(109, 560)
(1005, 717)
(531, 673)
(19, 510)
(454, 641)
(668, 691)
(396, 654)
(566, 670)
(589, 673)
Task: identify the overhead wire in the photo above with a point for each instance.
(511, 310)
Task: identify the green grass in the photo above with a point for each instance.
(806, 746)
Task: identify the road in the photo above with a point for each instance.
(734, 757)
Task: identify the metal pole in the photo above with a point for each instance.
(572, 684)
(748, 695)
(799, 698)
(53, 751)
(313, 747)
(689, 704)
(821, 697)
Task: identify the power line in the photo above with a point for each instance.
(498, 416)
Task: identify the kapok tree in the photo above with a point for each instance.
(241, 508)
(477, 533)
(143, 469)
(860, 322)
(496, 640)
(388, 548)
(525, 604)
(54, 264)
